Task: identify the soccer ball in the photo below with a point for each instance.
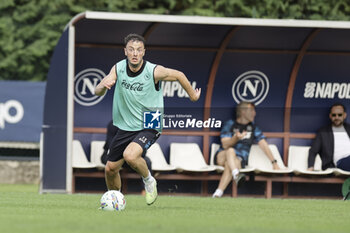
(113, 200)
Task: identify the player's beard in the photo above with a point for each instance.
(137, 65)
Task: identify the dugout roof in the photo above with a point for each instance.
(101, 28)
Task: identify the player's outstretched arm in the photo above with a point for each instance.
(167, 74)
(106, 83)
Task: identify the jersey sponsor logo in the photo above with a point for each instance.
(248, 132)
(247, 135)
(84, 86)
(327, 90)
(171, 89)
(152, 119)
(137, 86)
(252, 86)
(11, 112)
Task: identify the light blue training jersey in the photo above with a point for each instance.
(135, 95)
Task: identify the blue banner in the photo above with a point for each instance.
(21, 110)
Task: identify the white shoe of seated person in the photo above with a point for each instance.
(218, 193)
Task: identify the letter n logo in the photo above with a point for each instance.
(84, 86)
(251, 86)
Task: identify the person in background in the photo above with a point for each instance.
(237, 136)
(332, 141)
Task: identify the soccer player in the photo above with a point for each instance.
(137, 90)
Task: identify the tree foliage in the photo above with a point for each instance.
(287, 9)
(30, 29)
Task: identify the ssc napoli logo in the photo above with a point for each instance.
(251, 86)
(84, 86)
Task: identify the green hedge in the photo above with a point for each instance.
(30, 29)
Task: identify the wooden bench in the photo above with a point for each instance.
(204, 178)
(268, 179)
(127, 175)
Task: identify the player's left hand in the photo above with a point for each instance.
(108, 82)
(197, 94)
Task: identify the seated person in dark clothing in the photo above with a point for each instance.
(237, 137)
(332, 142)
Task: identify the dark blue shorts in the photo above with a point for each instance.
(145, 138)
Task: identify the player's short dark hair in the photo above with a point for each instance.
(337, 104)
(134, 37)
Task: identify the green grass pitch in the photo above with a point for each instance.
(23, 209)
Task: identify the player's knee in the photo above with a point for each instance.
(109, 171)
(230, 151)
(129, 157)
